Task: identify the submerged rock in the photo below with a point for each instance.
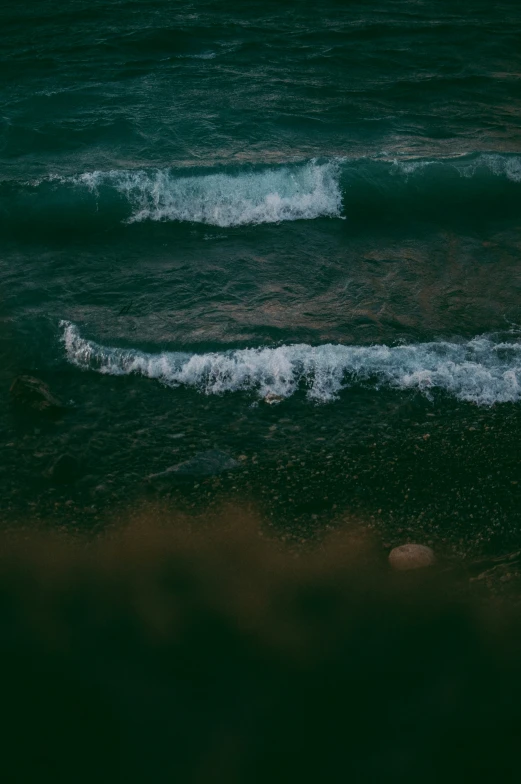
(207, 463)
(65, 469)
(411, 556)
(31, 392)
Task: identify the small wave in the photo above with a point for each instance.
(201, 56)
(281, 193)
(508, 166)
(480, 370)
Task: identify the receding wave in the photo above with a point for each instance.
(481, 370)
(363, 191)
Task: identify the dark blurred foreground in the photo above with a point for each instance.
(198, 651)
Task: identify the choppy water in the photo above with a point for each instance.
(251, 199)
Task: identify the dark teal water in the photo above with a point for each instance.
(207, 206)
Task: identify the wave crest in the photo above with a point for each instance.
(365, 191)
(282, 193)
(480, 370)
(507, 166)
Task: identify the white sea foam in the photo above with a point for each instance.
(202, 56)
(480, 370)
(498, 165)
(280, 193)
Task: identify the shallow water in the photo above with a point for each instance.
(201, 207)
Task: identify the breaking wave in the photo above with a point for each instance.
(365, 191)
(221, 199)
(480, 370)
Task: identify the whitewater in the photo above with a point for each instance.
(281, 193)
(361, 189)
(480, 370)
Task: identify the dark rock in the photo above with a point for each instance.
(88, 481)
(488, 564)
(65, 469)
(31, 392)
(500, 582)
(208, 463)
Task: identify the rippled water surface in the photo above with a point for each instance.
(285, 231)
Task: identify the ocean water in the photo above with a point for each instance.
(288, 232)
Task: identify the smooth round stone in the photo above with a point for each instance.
(411, 556)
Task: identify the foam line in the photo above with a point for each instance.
(480, 370)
